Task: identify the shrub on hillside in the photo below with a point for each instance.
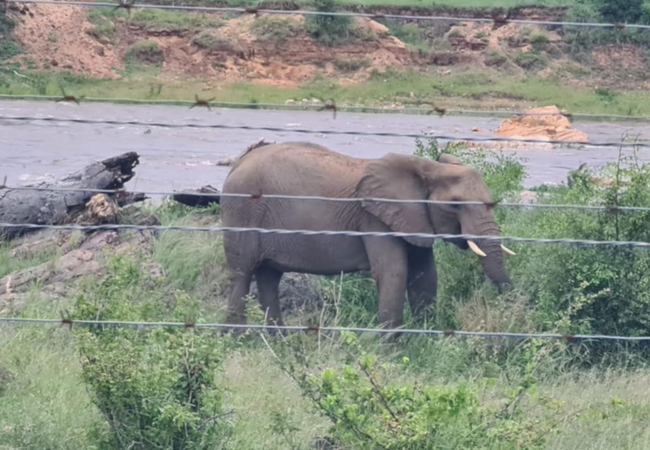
(144, 53)
(334, 30)
(275, 29)
(621, 11)
(156, 387)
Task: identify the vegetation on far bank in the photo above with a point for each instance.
(468, 89)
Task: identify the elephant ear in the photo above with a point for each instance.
(449, 159)
(398, 177)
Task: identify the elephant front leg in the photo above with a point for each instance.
(422, 280)
(388, 265)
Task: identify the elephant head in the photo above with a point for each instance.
(402, 177)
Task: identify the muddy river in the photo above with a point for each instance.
(179, 158)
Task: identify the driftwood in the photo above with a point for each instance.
(59, 207)
(192, 198)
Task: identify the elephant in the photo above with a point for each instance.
(402, 267)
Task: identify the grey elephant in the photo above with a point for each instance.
(399, 266)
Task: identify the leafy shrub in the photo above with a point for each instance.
(144, 53)
(410, 34)
(275, 29)
(495, 58)
(333, 30)
(6, 25)
(539, 41)
(374, 406)
(155, 387)
(531, 60)
(103, 21)
(621, 10)
(9, 49)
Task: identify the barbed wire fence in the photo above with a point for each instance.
(478, 139)
(496, 20)
(342, 233)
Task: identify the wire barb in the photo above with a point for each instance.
(200, 102)
(328, 132)
(125, 4)
(329, 106)
(68, 98)
(290, 232)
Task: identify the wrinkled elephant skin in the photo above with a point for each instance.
(401, 267)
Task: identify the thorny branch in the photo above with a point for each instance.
(360, 433)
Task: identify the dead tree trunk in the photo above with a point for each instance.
(59, 207)
(195, 199)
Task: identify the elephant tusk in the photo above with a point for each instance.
(507, 250)
(475, 248)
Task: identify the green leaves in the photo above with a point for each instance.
(156, 387)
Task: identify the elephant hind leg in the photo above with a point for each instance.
(422, 280)
(240, 285)
(268, 285)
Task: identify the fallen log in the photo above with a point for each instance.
(194, 199)
(60, 207)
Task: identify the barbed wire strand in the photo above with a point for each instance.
(303, 328)
(341, 14)
(350, 109)
(120, 192)
(566, 241)
(322, 132)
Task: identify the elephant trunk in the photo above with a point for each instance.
(492, 263)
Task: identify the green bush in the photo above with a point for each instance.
(275, 29)
(144, 53)
(495, 58)
(621, 11)
(156, 387)
(539, 41)
(9, 49)
(373, 405)
(333, 30)
(531, 60)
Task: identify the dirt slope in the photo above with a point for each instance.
(61, 37)
(56, 37)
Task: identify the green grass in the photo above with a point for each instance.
(466, 89)
(275, 29)
(10, 263)
(175, 21)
